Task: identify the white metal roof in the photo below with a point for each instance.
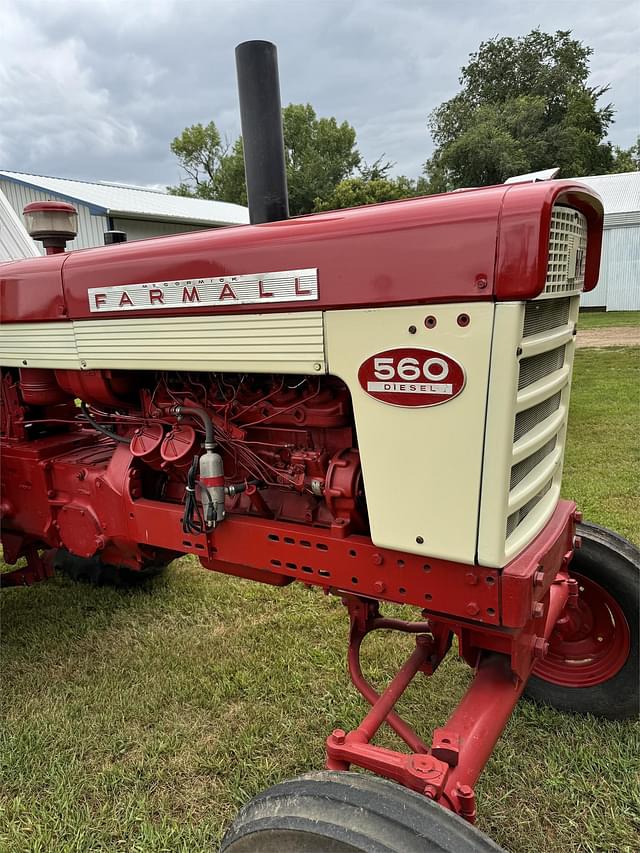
(134, 202)
(15, 242)
(620, 196)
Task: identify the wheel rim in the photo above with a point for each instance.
(591, 644)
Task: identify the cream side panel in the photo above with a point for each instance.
(38, 345)
(259, 343)
(421, 466)
(507, 336)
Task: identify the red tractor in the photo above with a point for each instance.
(373, 401)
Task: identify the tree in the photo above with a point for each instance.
(353, 192)
(524, 105)
(319, 154)
(201, 153)
(627, 160)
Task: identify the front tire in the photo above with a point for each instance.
(592, 664)
(343, 812)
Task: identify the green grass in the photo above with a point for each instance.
(608, 319)
(141, 721)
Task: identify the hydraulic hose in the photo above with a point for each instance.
(196, 412)
(102, 429)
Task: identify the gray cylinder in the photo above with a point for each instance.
(211, 483)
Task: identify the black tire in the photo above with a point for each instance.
(343, 812)
(91, 570)
(612, 565)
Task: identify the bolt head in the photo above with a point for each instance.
(540, 648)
(338, 736)
(377, 559)
(379, 587)
(538, 610)
(472, 608)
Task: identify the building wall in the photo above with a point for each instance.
(15, 243)
(90, 228)
(619, 285)
(140, 229)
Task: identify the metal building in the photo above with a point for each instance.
(15, 242)
(139, 211)
(619, 285)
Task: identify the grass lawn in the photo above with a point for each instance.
(608, 319)
(141, 721)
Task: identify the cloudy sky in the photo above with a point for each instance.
(96, 89)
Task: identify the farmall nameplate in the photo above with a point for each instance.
(226, 291)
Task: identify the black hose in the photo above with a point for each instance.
(196, 412)
(103, 429)
(192, 521)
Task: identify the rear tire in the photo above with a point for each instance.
(343, 812)
(594, 669)
(92, 570)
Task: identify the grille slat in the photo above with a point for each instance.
(543, 316)
(520, 471)
(538, 366)
(516, 518)
(530, 418)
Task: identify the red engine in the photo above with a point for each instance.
(287, 445)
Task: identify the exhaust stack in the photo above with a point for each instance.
(261, 121)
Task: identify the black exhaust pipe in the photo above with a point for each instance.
(262, 138)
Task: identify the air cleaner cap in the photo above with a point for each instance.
(51, 219)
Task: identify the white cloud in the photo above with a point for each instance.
(97, 89)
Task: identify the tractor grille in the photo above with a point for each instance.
(529, 386)
(541, 409)
(567, 250)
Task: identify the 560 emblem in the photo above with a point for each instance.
(409, 376)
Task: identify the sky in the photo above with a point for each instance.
(97, 89)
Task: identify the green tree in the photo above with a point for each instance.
(201, 154)
(524, 105)
(319, 154)
(353, 192)
(627, 159)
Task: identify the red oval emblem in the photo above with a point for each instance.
(410, 376)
